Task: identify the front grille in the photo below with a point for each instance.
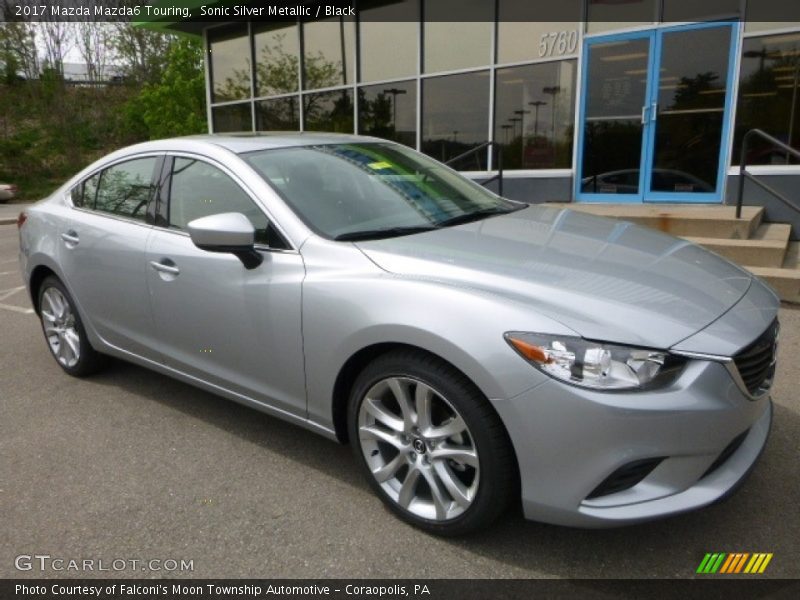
(726, 453)
(756, 363)
(625, 477)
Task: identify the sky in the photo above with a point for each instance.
(72, 55)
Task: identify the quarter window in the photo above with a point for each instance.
(77, 195)
(199, 189)
(123, 189)
(83, 194)
(90, 190)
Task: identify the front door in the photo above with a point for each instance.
(217, 321)
(655, 115)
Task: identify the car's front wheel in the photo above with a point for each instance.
(64, 331)
(431, 445)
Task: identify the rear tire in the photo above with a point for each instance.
(64, 331)
(430, 444)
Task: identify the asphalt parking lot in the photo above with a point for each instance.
(133, 465)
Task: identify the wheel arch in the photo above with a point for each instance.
(38, 275)
(360, 359)
(356, 363)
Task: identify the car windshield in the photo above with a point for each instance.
(372, 190)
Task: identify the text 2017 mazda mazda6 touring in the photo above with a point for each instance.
(471, 349)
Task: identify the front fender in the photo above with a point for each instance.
(465, 327)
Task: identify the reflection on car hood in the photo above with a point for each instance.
(604, 279)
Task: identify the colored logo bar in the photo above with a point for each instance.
(734, 562)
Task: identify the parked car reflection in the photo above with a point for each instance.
(626, 181)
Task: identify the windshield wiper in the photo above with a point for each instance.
(377, 234)
(479, 214)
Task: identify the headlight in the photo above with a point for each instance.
(595, 365)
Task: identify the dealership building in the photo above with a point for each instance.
(619, 100)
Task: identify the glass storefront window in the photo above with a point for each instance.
(278, 114)
(232, 118)
(522, 37)
(766, 26)
(277, 52)
(762, 15)
(229, 49)
(534, 115)
(389, 111)
(463, 44)
(389, 39)
(451, 124)
(769, 96)
(608, 16)
(329, 111)
(692, 10)
(328, 53)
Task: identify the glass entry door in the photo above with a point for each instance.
(655, 115)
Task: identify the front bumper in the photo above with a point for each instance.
(569, 440)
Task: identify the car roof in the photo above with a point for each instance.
(251, 142)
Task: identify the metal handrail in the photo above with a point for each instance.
(743, 173)
(498, 152)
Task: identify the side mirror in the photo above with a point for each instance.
(226, 232)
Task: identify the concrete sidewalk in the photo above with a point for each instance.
(10, 212)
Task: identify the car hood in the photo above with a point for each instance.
(604, 279)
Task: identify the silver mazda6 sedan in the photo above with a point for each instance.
(474, 351)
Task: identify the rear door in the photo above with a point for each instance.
(103, 252)
(217, 321)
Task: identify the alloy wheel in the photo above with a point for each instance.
(418, 448)
(58, 319)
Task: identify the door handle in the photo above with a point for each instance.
(165, 268)
(654, 111)
(644, 114)
(70, 237)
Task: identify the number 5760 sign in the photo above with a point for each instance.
(558, 43)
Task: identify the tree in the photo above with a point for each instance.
(93, 40)
(142, 53)
(18, 46)
(175, 105)
(57, 41)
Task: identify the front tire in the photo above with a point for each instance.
(64, 331)
(431, 445)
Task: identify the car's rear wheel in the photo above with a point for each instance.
(432, 447)
(64, 331)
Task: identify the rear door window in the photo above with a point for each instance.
(124, 189)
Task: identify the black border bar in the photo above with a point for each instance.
(215, 11)
(711, 588)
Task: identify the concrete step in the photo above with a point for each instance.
(767, 247)
(709, 221)
(786, 279)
